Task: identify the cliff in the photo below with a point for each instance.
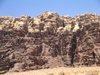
(49, 41)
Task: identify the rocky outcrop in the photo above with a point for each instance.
(87, 51)
(48, 41)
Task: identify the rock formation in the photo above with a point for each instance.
(49, 41)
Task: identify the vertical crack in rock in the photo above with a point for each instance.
(71, 51)
(63, 24)
(93, 57)
(73, 47)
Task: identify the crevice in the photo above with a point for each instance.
(73, 47)
(93, 57)
(63, 24)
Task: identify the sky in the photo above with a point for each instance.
(16, 8)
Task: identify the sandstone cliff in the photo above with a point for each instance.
(49, 41)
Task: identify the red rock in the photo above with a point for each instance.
(49, 41)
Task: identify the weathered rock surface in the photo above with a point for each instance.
(88, 46)
(49, 41)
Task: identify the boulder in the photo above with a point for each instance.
(17, 67)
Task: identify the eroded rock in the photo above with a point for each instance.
(48, 41)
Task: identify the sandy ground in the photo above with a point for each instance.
(57, 71)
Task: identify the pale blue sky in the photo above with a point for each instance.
(16, 8)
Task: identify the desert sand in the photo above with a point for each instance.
(57, 71)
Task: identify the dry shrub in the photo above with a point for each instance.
(50, 74)
(92, 73)
(61, 73)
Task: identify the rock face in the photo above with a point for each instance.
(49, 41)
(88, 46)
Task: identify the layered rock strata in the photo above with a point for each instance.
(49, 41)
